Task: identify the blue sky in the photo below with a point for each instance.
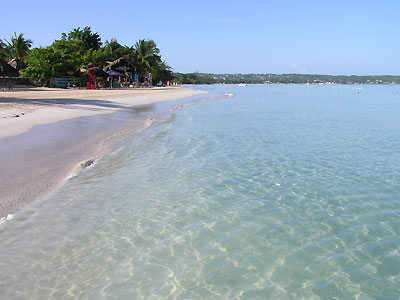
(324, 37)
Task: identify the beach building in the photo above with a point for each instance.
(93, 76)
(17, 64)
(7, 70)
(122, 72)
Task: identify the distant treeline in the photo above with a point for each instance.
(208, 78)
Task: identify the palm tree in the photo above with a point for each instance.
(113, 49)
(146, 56)
(163, 72)
(19, 47)
(4, 55)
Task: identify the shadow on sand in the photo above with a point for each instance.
(65, 101)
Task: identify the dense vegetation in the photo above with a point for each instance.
(206, 78)
(77, 49)
(81, 47)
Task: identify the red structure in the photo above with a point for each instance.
(91, 82)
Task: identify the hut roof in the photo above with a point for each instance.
(7, 70)
(17, 64)
(120, 64)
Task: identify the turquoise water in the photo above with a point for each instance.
(281, 192)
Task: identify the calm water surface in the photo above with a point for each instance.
(281, 192)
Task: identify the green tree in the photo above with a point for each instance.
(88, 39)
(98, 57)
(3, 51)
(163, 73)
(70, 55)
(79, 48)
(146, 56)
(18, 47)
(113, 50)
(42, 64)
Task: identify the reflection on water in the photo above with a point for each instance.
(282, 192)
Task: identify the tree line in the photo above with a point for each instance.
(209, 78)
(81, 47)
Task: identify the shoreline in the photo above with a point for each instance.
(38, 106)
(56, 138)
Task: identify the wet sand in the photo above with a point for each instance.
(48, 135)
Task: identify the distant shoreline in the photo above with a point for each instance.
(210, 78)
(322, 83)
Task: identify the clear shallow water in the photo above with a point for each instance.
(282, 192)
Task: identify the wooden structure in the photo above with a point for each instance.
(92, 75)
(91, 82)
(6, 70)
(125, 68)
(121, 65)
(17, 64)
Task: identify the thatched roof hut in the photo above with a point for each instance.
(17, 64)
(121, 65)
(7, 70)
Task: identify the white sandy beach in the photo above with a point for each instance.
(35, 160)
(22, 109)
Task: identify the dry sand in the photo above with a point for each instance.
(22, 109)
(43, 140)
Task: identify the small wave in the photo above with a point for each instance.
(226, 95)
(83, 166)
(90, 163)
(8, 218)
(87, 163)
(149, 122)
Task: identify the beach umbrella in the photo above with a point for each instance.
(114, 73)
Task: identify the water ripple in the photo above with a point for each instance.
(263, 196)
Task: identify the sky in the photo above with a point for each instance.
(314, 37)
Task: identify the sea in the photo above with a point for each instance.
(248, 192)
